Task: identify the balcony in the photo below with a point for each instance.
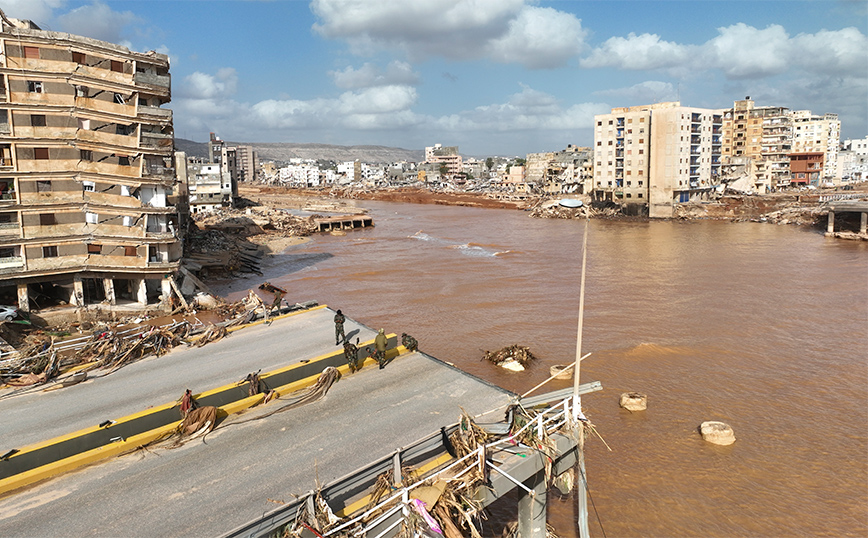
(8, 197)
(11, 264)
(9, 228)
(153, 79)
(157, 140)
(156, 112)
(153, 171)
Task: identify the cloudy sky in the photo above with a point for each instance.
(495, 77)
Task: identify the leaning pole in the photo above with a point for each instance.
(581, 482)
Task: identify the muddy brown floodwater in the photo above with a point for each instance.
(763, 327)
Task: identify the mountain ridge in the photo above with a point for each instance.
(284, 151)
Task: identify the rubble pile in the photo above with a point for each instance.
(556, 211)
(230, 240)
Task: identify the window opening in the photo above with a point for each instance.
(78, 57)
(47, 219)
(49, 252)
(37, 120)
(94, 249)
(34, 86)
(40, 153)
(43, 185)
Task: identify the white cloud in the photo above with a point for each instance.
(638, 52)
(539, 38)
(39, 11)
(98, 21)
(506, 31)
(203, 86)
(832, 52)
(739, 51)
(742, 51)
(527, 110)
(650, 91)
(370, 75)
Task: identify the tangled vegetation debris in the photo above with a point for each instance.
(516, 353)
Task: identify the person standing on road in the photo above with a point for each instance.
(339, 328)
(380, 343)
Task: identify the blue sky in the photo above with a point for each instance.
(494, 77)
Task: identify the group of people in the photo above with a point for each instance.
(351, 351)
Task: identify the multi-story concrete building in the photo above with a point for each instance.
(446, 156)
(646, 158)
(812, 133)
(246, 164)
(758, 139)
(853, 160)
(806, 168)
(88, 205)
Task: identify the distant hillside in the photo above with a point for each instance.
(286, 151)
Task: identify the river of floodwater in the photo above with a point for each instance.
(763, 327)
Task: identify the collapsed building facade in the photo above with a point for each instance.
(88, 209)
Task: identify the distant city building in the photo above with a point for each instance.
(88, 198)
(647, 158)
(210, 183)
(445, 155)
(762, 135)
(853, 160)
(813, 133)
(806, 168)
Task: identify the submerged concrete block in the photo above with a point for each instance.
(634, 401)
(718, 433)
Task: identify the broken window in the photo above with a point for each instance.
(128, 221)
(43, 185)
(88, 186)
(40, 153)
(78, 57)
(47, 219)
(119, 99)
(37, 120)
(123, 160)
(91, 218)
(7, 252)
(94, 249)
(81, 91)
(125, 130)
(49, 252)
(117, 67)
(31, 52)
(130, 251)
(86, 155)
(34, 86)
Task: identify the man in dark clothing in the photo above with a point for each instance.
(409, 342)
(380, 343)
(351, 353)
(339, 328)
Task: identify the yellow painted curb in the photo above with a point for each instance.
(114, 449)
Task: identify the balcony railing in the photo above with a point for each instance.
(11, 262)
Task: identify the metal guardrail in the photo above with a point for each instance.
(548, 420)
(842, 196)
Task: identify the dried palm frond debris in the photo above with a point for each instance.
(520, 354)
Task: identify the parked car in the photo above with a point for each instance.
(8, 313)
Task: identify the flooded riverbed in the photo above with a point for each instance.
(761, 326)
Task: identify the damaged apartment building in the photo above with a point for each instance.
(87, 184)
